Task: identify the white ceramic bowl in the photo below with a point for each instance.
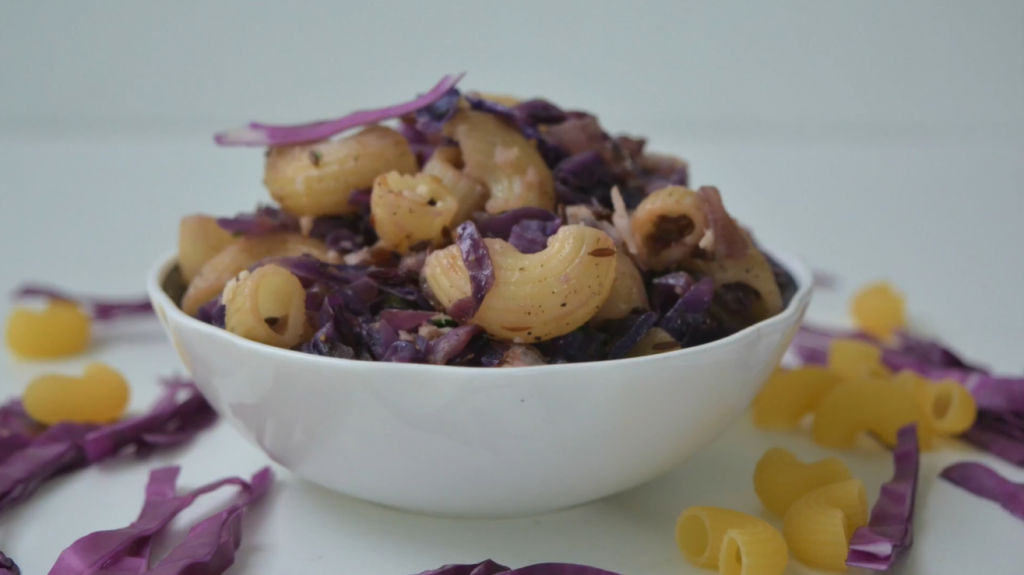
(476, 441)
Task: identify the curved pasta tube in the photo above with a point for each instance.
(790, 394)
(496, 154)
(734, 542)
(408, 210)
(628, 291)
(535, 296)
(878, 406)
(948, 407)
(780, 478)
(668, 225)
(654, 342)
(240, 256)
(753, 271)
(855, 359)
(818, 526)
(267, 305)
(317, 179)
(199, 239)
(446, 164)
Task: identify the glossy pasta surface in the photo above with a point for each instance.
(780, 479)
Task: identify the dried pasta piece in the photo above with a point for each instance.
(734, 542)
(668, 225)
(537, 296)
(948, 406)
(409, 210)
(855, 359)
(199, 239)
(267, 305)
(628, 291)
(318, 179)
(780, 478)
(791, 394)
(654, 342)
(60, 330)
(498, 155)
(99, 396)
(878, 309)
(446, 164)
(818, 526)
(242, 254)
(872, 405)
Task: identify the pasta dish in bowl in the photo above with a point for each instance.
(366, 331)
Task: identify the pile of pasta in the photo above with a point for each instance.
(525, 230)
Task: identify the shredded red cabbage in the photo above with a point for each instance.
(531, 236)
(101, 309)
(446, 347)
(983, 481)
(891, 526)
(256, 134)
(406, 320)
(265, 220)
(478, 263)
(177, 416)
(208, 549)
(8, 566)
(42, 454)
(489, 567)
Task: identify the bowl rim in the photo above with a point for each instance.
(798, 269)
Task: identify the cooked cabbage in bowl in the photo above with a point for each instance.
(478, 231)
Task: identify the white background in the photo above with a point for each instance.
(876, 139)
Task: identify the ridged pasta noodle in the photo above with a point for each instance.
(818, 526)
(535, 297)
(199, 239)
(628, 291)
(871, 405)
(668, 226)
(498, 155)
(241, 255)
(318, 179)
(446, 164)
(752, 271)
(855, 359)
(408, 210)
(790, 394)
(780, 478)
(734, 542)
(948, 407)
(267, 306)
(654, 342)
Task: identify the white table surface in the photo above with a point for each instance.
(938, 215)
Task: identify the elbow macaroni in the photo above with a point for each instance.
(734, 542)
(445, 163)
(199, 239)
(878, 406)
(818, 526)
(791, 394)
(667, 226)
(751, 270)
(780, 478)
(949, 409)
(408, 210)
(498, 155)
(628, 291)
(239, 256)
(267, 305)
(535, 297)
(318, 179)
(854, 359)
(60, 330)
